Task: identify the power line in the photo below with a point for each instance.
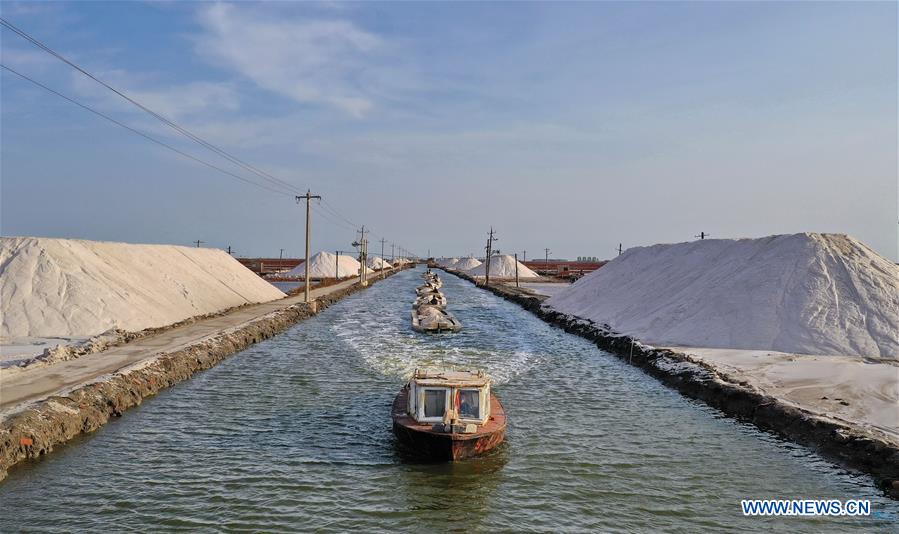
(276, 184)
(330, 214)
(325, 204)
(233, 159)
(330, 218)
(140, 133)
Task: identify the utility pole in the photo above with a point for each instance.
(516, 270)
(281, 255)
(392, 253)
(619, 249)
(547, 257)
(198, 242)
(308, 196)
(489, 247)
(362, 254)
(382, 257)
(337, 266)
(525, 256)
(702, 235)
(229, 250)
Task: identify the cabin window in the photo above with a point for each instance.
(469, 404)
(435, 402)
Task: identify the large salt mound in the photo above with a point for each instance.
(74, 288)
(466, 264)
(324, 265)
(804, 293)
(503, 266)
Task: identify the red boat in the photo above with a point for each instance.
(449, 415)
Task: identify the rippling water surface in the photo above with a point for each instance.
(294, 434)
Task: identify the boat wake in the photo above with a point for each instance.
(379, 332)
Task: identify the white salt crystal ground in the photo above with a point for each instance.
(845, 388)
(16, 350)
(802, 293)
(503, 266)
(378, 263)
(75, 289)
(545, 288)
(324, 265)
(810, 319)
(466, 264)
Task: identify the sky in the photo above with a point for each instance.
(568, 126)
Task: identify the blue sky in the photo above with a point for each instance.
(570, 126)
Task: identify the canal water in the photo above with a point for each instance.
(294, 434)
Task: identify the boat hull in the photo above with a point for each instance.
(423, 441)
(443, 447)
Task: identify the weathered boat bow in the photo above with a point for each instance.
(448, 415)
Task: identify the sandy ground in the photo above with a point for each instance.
(545, 288)
(846, 388)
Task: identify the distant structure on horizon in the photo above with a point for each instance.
(262, 266)
(565, 268)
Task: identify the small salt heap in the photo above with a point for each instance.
(503, 266)
(325, 265)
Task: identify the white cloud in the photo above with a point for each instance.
(174, 101)
(178, 101)
(310, 61)
(19, 58)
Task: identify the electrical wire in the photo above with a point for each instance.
(233, 159)
(140, 133)
(336, 213)
(328, 217)
(276, 184)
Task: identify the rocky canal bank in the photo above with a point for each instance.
(36, 429)
(850, 446)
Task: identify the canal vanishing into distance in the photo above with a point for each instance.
(294, 433)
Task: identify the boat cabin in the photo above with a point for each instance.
(457, 398)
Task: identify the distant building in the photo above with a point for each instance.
(564, 268)
(262, 266)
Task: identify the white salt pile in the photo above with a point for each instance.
(503, 266)
(66, 288)
(823, 294)
(378, 263)
(449, 263)
(325, 265)
(466, 264)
